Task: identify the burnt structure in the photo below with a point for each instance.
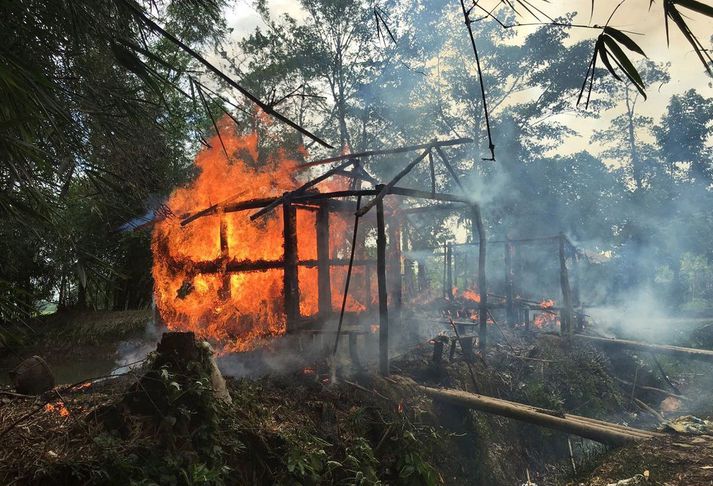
(388, 273)
(517, 309)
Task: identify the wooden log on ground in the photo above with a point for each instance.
(702, 354)
(597, 430)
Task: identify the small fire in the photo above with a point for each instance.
(547, 304)
(308, 371)
(544, 318)
(57, 407)
(471, 295)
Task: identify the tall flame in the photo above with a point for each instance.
(238, 310)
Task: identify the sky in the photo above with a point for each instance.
(633, 15)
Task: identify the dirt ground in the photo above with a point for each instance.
(673, 460)
(310, 427)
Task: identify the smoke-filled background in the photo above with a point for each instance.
(627, 179)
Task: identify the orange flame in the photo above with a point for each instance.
(238, 310)
(471, 295)
(57, 407)
(540, 320)
(547, 304)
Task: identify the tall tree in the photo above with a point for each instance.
(684, 134)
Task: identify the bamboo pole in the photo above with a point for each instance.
(449, 272)
(600, 431)
(386, 188)
(477, 225)
(566, 312)
(390, 151)
(679, 351)
(510, 310)
(291, 286)
(394, 270)
(381, 277)
(324, 282)
(224, 291)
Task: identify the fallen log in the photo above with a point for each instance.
(702, 354)
(598, 430)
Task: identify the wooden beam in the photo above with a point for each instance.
(389, 151)
(323, 278)
(449, 272)
(509, 309)
(386, 188)
(291, 281)
(440, 196)
(678, 351)
(433, 208)
(566, 313)
(394, 270)
(224, 291)
(300, 190)
(381, 277)
(477, 226)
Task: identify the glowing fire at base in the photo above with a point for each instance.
(58, 408)
(545, 318)
(238, 310)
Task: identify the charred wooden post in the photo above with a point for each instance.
(454, 264)
(449, 271)
(323, 279)
(224, 291)
(291, 285)
(509, 307)
(576, 269)
(466, 345)
(394, 270)
(566, 312)
(445, 271)
(367, 287)
(477, 226)
(421, 269)
(353, 350)
(439, 343)
(382, 283)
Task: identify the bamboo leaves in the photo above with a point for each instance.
(671, 13)
(608, 48)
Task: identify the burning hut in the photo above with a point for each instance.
(282, 269)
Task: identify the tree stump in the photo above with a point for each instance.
(32, 376)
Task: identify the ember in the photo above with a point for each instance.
(547, 304)
(471, 295)
(57, 407)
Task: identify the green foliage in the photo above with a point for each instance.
(94, 134)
